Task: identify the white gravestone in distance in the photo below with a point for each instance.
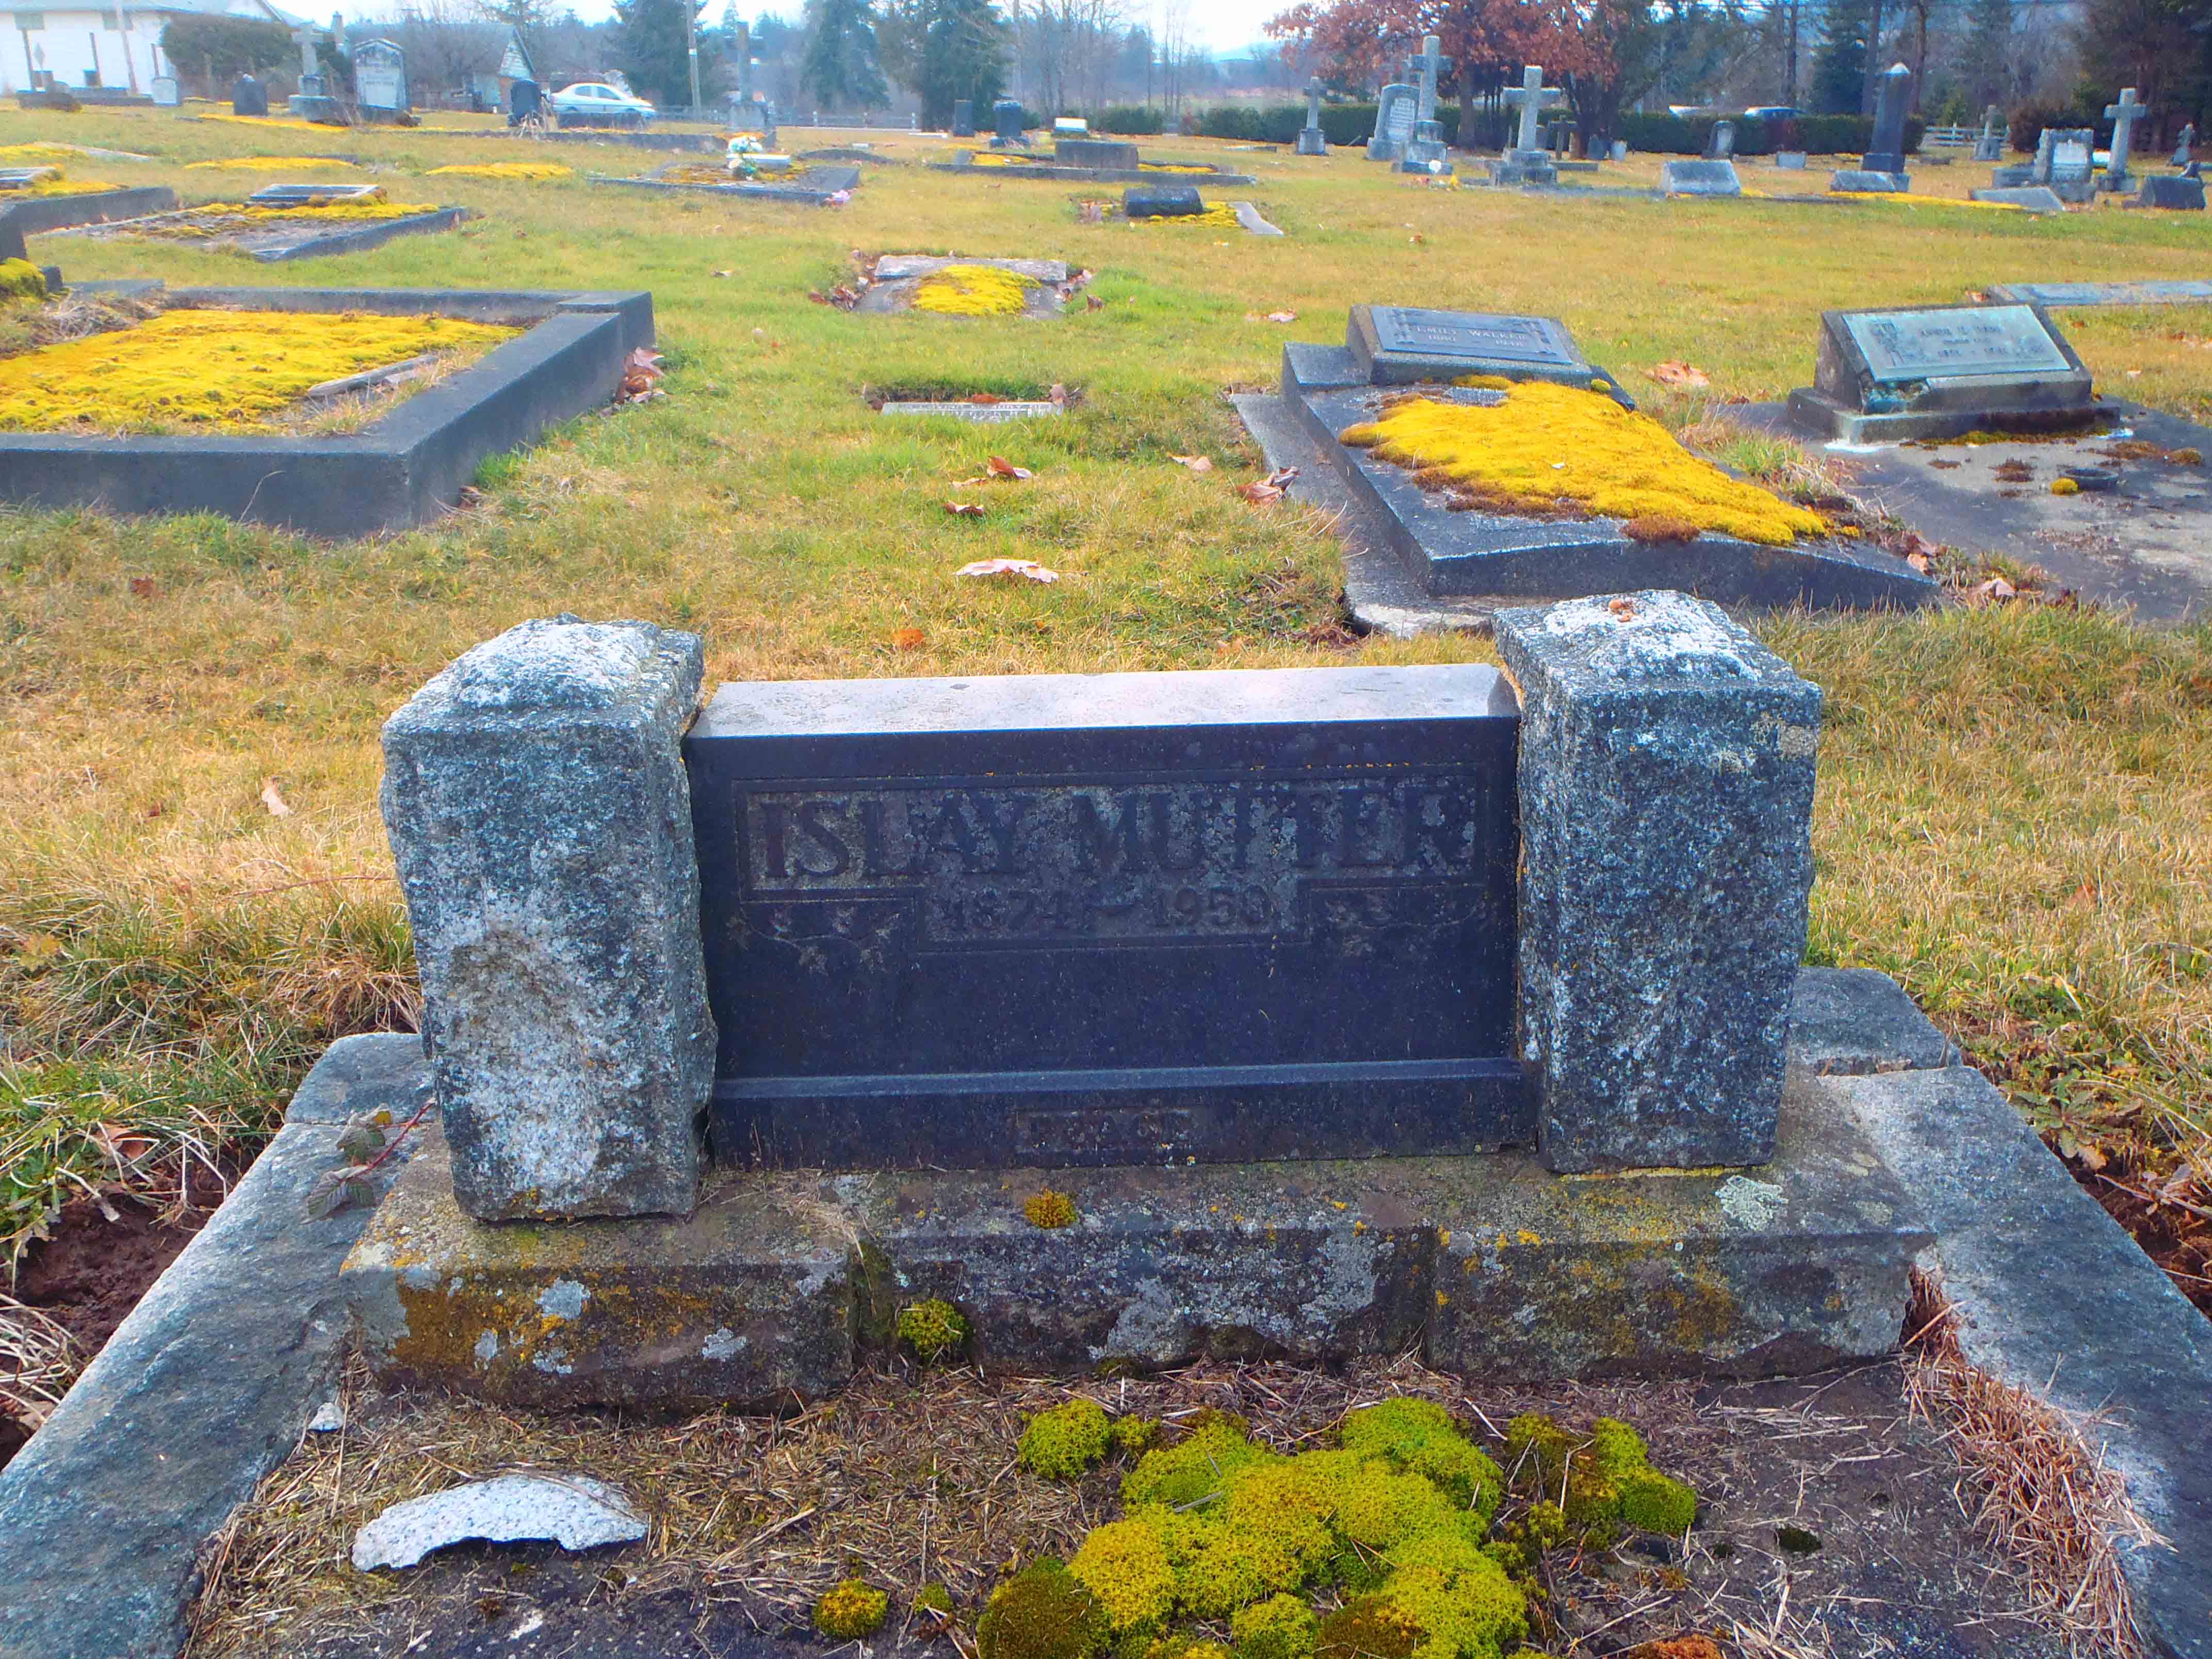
(380, 76)
(1394, 116)
(2122, 115)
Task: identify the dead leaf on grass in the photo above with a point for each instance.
(1269, 488)
(1000, 467)
(273, 798)
(1027, 567)
(964, 509)
(1677, 373)
(142, 587)
(1195, 462)
(908, 639)
(1992, 591)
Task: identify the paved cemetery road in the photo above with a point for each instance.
(2148, 545)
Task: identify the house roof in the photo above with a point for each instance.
(168, 8)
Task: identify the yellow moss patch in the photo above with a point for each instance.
(212, 370)
(15, 155)
(2064, 486)
(1049, 1210)
(21, 280)
(263, 121)
(1170, 167)
(973, 291)
(1216, 217)
(271, 164)
(502, 170)
(1545, 444)
(60, 184)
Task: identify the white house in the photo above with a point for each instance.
(119, 45)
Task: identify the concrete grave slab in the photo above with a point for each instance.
(1862, 182)
(2053, 296)
(277, 241)
(40, 216)
(1160, 171)
(401, 469)
(1010, 408)
(2147, 544)
(1475, 554)
(1699, 178)
(2036, 198)
(814, 188)
(896, 276)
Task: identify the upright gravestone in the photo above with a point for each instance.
(1666, 797)
(1424, 152)
(1989, 147)
(1882, 168)
(1891, 376)
(167, 91)
(1007, 124)
(964, 118)
(2183, 192)
(1527, 163)
(1103, 155)
(1396, 113)
(1720, 143)
(2123, 116)
(2183, 145)
(1161, 201)
(1312, 141)
(525, 101)
(248, 97)
(2066, 160)
(379, 79)
(1687, 177)
(540, 817)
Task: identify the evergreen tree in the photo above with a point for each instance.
(839, 66)
(964, 55)
(652, 50)
(1839, 68)
(1985, 65)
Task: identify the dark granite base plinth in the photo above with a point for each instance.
(37, 215)
(782, 1283)
(1814, 413)
(1483, 553)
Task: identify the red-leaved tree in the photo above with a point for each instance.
(1487, 41)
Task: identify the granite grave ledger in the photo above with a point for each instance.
(1940, 371)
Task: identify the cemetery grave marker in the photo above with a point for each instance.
(964, 118)
(1312, 141)
(323, 219)
(405, 467)
(1425, 150)
(2183, 145)
(1112, 155)
(2036, 198)
(1720, 143)
(1396, 112)
(895, 281)
(1527, 163)
(814, 186)
(2122, 115)
(1886, 376)
(1989, 146)
(1205, 928)
(1882, 168)
(2183, 192)
(379, 79)
(167, 92)
(1448, 546)
(248, 96)
(2051, 296)
(1007, 124)
(1680, 177)
(2065, 160)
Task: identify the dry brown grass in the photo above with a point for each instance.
(39, 1360)
(2034, 1479)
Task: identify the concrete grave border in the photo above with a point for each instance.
(817, 194)
(358, 238)
(39, 215)
(1046, 170)
(403, 469)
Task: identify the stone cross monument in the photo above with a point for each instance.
(2122, 115)
(1534, 97)
(1430, 61)
(1312, 141)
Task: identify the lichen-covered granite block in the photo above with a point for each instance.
(1667, 762)
(540, 817)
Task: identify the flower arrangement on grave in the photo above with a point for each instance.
(973, 291)
(502, 170)
(273, 164)
(214, 371)
(1548, 449)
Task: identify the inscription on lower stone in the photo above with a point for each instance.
(1902, 346)
(1471, 334)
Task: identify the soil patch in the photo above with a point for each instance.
(1831, 1519)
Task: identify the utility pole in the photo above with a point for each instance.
(691, 40)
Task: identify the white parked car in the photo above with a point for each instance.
(593, 103)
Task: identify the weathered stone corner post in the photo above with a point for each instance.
(1667, 764)
(540, 817)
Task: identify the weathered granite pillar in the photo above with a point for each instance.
(541, 820)
(1667, 764)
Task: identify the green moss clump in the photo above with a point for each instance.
(1280, 1627)
(931, 1327)
(1136, 1434)
(1049, 1210)
(1420, 1437)
(1366, 1627)
(1041, 1612)
(21, 280)
(934, 1599)
(1196, 1469)
(1601, 1481)
(1219, 1566)
(1062, 1442)
(1125, 1565)
(849, 1610)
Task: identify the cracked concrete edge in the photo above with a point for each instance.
(2054, 1298)
(204, 1388)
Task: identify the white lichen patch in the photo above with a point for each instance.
(1750, 1205)
(564, 1298)
(722, 1343)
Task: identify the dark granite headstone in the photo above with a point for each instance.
(1720, 143)
(1006, 120)
(1161, 201)
(964, 118)
(1111, 919)
(248, 97)
(525, 102)
(303, 195)
(1397, 345)
(1888, 155)
(1941, 370)
(1110, 155)
(2183, 193)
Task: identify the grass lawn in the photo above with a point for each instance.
(195, 894)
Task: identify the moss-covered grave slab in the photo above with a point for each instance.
(782, 1281)
(896, 282)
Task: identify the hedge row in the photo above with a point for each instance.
(1819, 135)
